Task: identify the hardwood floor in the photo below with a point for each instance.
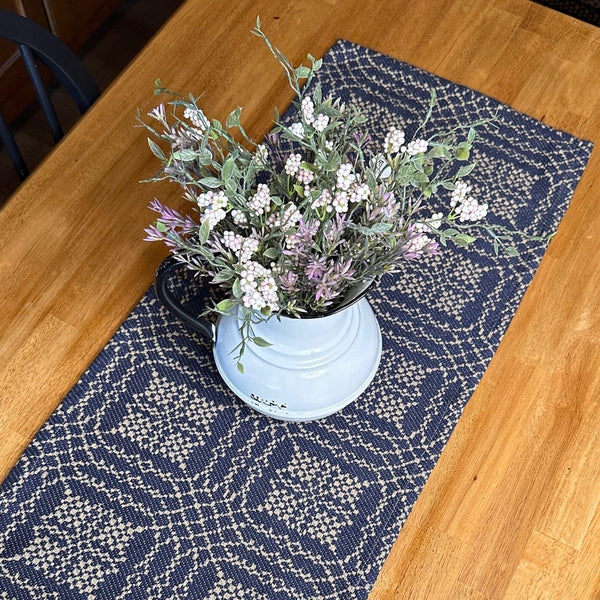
(105, 55)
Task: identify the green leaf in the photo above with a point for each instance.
(381, 227)
(376, 229)
(222, 276)
(205, 156)
(271, 253)
(210, 182)
(261, 342)
(236, 288)
(233, 120)
(371, 181)
(462, 239)
(240, 367)
(317, 93)
(225, 305)
(432, 97)
(227, 169)
(467, 239)
(299, 190)
(448, 234)
(461, 153)
(328, 111)
(464, 171)
(231, 186)
(156, 150)
(185, 155)
(333, 161)
(302, 72)
(204, 231)
(439, 151)
(511, 251)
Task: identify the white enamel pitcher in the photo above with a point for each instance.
(314, 367)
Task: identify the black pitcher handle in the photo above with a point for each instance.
(172, 304)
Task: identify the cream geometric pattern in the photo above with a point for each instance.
(79, 543)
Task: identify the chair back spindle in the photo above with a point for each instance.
(38, 44)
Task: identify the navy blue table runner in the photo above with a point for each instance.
(151, 480)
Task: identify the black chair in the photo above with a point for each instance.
(35, 42)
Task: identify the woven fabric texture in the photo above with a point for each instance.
(152, 481)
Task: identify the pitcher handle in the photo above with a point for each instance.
(173, 305)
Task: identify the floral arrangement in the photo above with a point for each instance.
(305, 221)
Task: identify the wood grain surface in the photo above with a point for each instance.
(511, 510)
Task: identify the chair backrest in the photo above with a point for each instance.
(35, 42)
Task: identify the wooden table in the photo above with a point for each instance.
(512, 508)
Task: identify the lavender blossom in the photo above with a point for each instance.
(288, 282)
(315, 268)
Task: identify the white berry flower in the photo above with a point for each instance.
(261, 200)
(292, 164)
(340, 202)
(308, 109)
(232, 240)
(298, 130)
(394, 140)
(321, 122)
(214, 216)
(290, 217)
(324, 199)
(304, 176)
(417, 147)
(459, 193)
(471, 210)
(359, 193)
(345, 176)
(417, 243)
(249, 247)
(212, 199)
(239, 218)
(258, 286)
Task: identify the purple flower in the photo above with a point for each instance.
(333, 281)
(417, 244)
(315, 268)
(172, 219)
(300, 243)
(287, 281)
